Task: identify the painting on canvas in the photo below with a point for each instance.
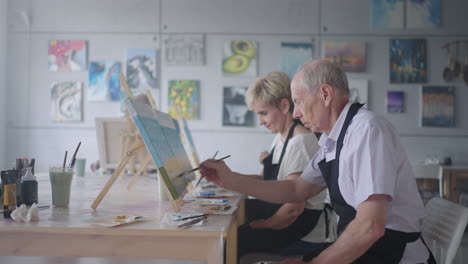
(103, 82)
(240, 58)
(408, 61)
(358, 92)
(387, 14)
(67, 55)
(184, 49)
(141, 69)
(349, 55)
(66, 101)
(161, 137)
(395, 102)
(235, 111)
(184, 99)
(423, 13)
(293, 55)
(438, 106)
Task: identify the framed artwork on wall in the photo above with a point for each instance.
(67, 55)
(240, 58)
(349, 55)
(141, 69)
(235, 111)
(184, 99)
(395, 102)
(438, 106)
(66, 101)
(408, 61)
(293, 55)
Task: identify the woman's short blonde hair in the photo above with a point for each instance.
(270, 90)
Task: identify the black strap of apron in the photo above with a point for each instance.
(290, 133)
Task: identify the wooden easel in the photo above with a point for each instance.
(134, 148)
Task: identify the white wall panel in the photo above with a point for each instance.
(3, 47)
(88, 15)
(241, 16)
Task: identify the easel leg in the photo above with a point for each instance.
(143, 167)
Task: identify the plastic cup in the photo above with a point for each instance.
(60, 180)
(80, 165)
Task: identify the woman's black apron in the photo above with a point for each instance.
(269, 240)
(390, 247)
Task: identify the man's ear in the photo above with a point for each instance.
(326, 94)
(285, 105)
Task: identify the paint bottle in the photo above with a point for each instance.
(29, 188)
(9, 191)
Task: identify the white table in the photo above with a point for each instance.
(70, 231)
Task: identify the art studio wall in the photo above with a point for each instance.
(3, 63)
(110, 27)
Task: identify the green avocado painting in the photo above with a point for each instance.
(240, 58)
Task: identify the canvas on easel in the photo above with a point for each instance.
(160, 135)
(189, 145)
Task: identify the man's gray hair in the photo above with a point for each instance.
(324, 72)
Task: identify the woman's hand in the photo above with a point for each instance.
(263, 156)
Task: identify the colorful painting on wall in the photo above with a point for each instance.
(66, 101)
(293, 55)
(67, 55)
(438, 106)
(103, 81)
(184, 49)
(349, 55)
(235, 111)
(423, 13)
(184, 99)
(240, 58)
(161, 137)
(408, 61)
(387, 14)
(395, 102)
(141, 69)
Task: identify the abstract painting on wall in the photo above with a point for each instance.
(387, 14)
(240, 58)
(184, 49)
(408, 61)
(293, 55)
(66, 101)
(423, 13)
(395, 102)
(358, 92)
(141, 69)
(67, 55)
(235, 111)
(349, 55)
(184, 99)
(103, 81)
(438, 106)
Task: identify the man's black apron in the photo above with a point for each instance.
(390, 247)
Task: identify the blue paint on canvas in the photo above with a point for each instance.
(408, 61)
(103, 81)
(423, 14)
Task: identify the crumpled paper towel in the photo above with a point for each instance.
(23, 214)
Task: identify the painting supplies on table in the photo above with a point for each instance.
(119, 220)
(9, 191)
(192, 222)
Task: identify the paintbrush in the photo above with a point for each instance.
(197, 168)
(73, 160)
(193, 222)
(190, 217)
